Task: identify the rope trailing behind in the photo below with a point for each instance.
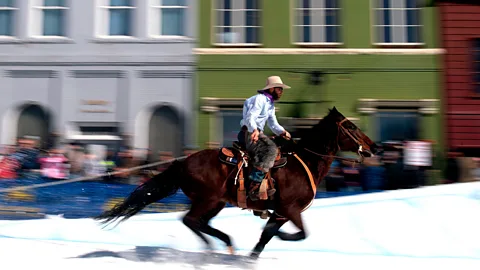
(89, 178)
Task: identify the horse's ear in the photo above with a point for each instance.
(334, 109)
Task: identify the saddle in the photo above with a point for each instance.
(237, 156)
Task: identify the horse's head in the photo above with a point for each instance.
(350, 137)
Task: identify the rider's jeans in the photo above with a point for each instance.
(264, 152)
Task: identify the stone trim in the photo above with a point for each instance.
(321, 51)
(424, 106)
(212, 104)
(154, 74)
(97, 73)
(292, 122)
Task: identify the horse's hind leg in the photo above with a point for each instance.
(270, 230)
(197, 220)
(193, 223)
(296, 218)
(206, 228)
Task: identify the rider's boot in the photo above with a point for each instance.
(256, 177)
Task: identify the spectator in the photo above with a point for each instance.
(76, 156)
(335, 181)
(372, 174)
(92, 165)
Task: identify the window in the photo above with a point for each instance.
(397, 22)
(115, 18)
(7, 10)
(230, 126)
(48, 18)
(398, 125)
(167, 17)
(317, 22)
(476, 65)
(237, 22)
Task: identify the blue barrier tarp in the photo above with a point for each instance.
(84, 199)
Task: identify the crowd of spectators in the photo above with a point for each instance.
(383, 172)
(27, 159)
(390, 171)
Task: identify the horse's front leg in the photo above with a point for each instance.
(270, 230)
(296, 219)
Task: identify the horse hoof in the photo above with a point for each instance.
(209, 249)
(283, 236)
(231, 250)
(254, 255)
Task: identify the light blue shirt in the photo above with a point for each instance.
(257, 110)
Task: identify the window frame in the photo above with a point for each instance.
(153, 20)
(374, 34)
(475, 66)
(213, 27)
(102, 20)
(14, 9)
(293, 26)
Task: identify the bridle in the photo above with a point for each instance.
(345, 131)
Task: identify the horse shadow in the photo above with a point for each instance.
(168, 255)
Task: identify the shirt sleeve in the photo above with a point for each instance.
(253, 113)
(273, 123)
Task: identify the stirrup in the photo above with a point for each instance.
(255, 195)
(253, 191)
(271, 191)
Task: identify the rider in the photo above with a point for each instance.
(257, 110)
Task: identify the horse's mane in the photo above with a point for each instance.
(322, 137)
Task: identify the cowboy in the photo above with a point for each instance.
(258, 110)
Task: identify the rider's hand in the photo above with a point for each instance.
(286, 135)
(254, 136)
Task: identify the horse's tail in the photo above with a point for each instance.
(159, 187)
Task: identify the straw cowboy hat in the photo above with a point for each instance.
(275, 81)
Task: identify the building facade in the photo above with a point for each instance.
(378, 62)
(460, 34)
(97, 70)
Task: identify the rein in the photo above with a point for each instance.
(343, 130)
(354, 160)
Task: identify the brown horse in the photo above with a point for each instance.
(209, 184)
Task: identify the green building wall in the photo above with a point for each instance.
(370, 74)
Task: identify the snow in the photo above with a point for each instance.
(418, 228)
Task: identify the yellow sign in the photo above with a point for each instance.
(167, 207)
(154, 207)
(20, 196)
(111, 203)
(96, 111)
(20, 211)
(95, 102)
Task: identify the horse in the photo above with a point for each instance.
(207, 182)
